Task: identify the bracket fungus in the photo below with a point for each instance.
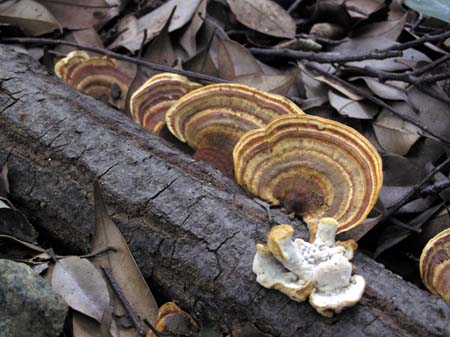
(173, 321)
(316, 167)
(213, 118)
(320, 271)
(150, 102)
(95, 76)
(435, 265)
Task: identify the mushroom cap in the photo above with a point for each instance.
(168, 311)
(150, 102)
(65, 65)
(95, 76)
(435, 265)
(329, 302)
(316, 167)
(271, 274)
(213, 118)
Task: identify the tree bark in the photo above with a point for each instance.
(192, 231)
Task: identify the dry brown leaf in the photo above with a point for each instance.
(277, 84)
(235, 60)
(83, 326)
(202, 63)
(394, 134)
(33, 18)
(354, 46)
(82, 14)
(85, 37)
(352, 108)
(392, 90)
(122, 265)
(133, 29)
(390, 28)
(188, 38)
(361, 9)
(264, 16)
(82, 286)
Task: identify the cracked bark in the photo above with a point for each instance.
(193, 231)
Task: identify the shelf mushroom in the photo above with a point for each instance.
(150, 102)
(314, 166)
(320, 271)
(435, 265)
(172, 320)
(213, 118)
(95, 76)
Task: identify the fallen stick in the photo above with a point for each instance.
(192, 231)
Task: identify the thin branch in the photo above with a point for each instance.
(294, 6)
(407, 197)
(418, 42)
(117, 56)
(437, 187)
(324, 57)
(126, 305)
(70, 3)
(379, 102)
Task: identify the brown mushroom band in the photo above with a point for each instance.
(314, 166)
(435, 265)
(149, 104)
(95, 76)
(213, 118)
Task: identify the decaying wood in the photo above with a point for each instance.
(192, 231)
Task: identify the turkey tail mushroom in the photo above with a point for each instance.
(213, 118)
(95, 76)
(316, 167)
(149, 104)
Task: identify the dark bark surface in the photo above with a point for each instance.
(192, 231)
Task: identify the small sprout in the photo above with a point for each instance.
(320, 270)
(314, 166)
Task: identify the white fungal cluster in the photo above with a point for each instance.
(320, 270)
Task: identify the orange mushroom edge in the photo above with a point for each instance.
(435, 265)
(213, 118)
(314, 166)
(150, 102)
(174, 321)
(95, 76)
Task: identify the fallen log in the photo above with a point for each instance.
(192, 231)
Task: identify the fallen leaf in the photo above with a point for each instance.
(434, 8)
(202, 63)
(335, 85)
(4, 183)
(15, 223)
(277, 84)
(84, 326)
(33, 18)
(362, 9)
(133, 29)
(85, 37)
(352, 108)
(188, 38)
(83, 14)
(390, 195)
(235, 60)
(354, 46)
(264, 16)
(121, 263)
(390, 28)
(394, 134)
(392, 90)
(81, 285)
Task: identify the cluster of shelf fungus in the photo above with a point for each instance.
(320, 169)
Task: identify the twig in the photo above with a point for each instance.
(379, 102)
(435, 188)
(294, 6)
(407, 197)
(126, 305)
(99, 252)
(102, 51)
(418, 42)
(324, 57)
(397, 222)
